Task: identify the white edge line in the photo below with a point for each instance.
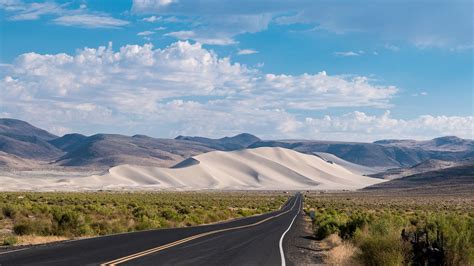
(11, 251)
(282, 254)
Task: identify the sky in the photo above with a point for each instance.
(328, 70)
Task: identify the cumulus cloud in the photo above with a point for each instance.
(187, 89)
(361, 127)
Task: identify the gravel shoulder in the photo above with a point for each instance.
(300, 245)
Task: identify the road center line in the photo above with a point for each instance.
(184, 240)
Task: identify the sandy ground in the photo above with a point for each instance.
(266, 168)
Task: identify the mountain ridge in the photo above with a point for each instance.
(21, 139)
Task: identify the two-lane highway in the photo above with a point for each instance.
(257, 240)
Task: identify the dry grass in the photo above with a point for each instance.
(340, 252)
(331, 241)
(35, 240)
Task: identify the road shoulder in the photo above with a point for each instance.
(300, 246)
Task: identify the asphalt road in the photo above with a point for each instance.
(257, 240)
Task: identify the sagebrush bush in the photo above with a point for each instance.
(9, 240)
(387, 250)
(89, 214)
(374, 225)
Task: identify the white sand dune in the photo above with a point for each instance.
(354, 168)
(266, 168)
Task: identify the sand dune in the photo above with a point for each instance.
(354, 168)
(250, 169)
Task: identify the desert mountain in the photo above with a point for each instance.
(383, 154)
(448, 143)
(102, 151)
(110, 150)
(368, 154)
(23, 140)
(237, 142)
(68, 142)
(16, 129)
(259, 169)
(426, 166)
(454, 180)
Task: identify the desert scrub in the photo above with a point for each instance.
(9, 240)
(101, 213)
(374, 225)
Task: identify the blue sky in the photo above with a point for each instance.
(337, 70)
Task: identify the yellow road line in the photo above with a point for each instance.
(187, 239)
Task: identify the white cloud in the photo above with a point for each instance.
(246, 51)
(147, 5)
(442, 24)
(208, 27)
(81, 17)
(145, 33)
(30, 11)
(392, 47)
(191, 35)
(359, 126)
(186, 89)
(152, 18)
(423, 93)
(90, 21)
(160, 28)
(347, 54)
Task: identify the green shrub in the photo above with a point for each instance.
(356, 222)
(10, 241)
(79, 214)
(9, 211)
(67, 222)
(24, 228)
(376, 250)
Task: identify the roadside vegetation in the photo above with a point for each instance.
(29, 218)
(393, 230)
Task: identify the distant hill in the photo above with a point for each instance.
(111, 149)
(237, 142)
(457, 179)
(20, 139)
(12, 161)
(368, 154)
(383, 154)
(26, 141)
(448, 143)
(426, 166)
(19, 129)
(68, 142)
